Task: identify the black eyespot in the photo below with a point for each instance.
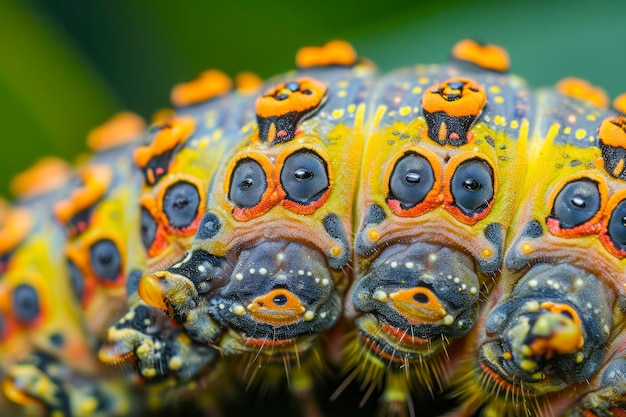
(576, 203)
(247, 184)
(148, 228)
(420, 298)
(180, 204)
(411, 180)
(617, 226)
(304, 177)
(472, 186)
(280, 300)
(77, 280)
(106, 261)
(25, 303)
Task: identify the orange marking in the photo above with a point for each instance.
(96, 180)
(581, 89)
(468, 100)
(120, 129)
(209, 84)
(15, 225)
(266, 342)
(333, 53)
(404, 335)
(150, 291)
(620, 103)
(612, 131)
(175, 131)
(248, 82)
(309, 96)
(418, 305)
(278, 307)
(45, 175)
(491, 57)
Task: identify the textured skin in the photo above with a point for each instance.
(439, 233)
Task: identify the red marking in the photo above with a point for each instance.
(159, 171)
(404, 336)
(454, 135)
(266, 343)
(281, 133)
(499, 380)
(618, 412)
(81, 226)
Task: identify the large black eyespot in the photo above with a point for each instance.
(247, 184)
(77, 280)
(472, 186)
(106, 261)
(180, 204)
(576, 203)
(25, 303)
(304, 177)
(617, 226)
(148, 228)
(411, 180)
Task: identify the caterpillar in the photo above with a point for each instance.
(442, 235)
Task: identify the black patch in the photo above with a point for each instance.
(159, 165)
(532, 229)
(57, 340)
(211, 268)
(494, 233)
(25, 302)
(612, 156)
(148, 228)
(209, 226)
(78, 222)
(459, 125)
(132, 281)
(574, 162)
(490, 141)
(334, 228)
(375, 214)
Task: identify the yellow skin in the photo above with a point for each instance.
(556, 159)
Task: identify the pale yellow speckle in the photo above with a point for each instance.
(239, 276)
(448, 320)
(342, 93)
(239, 310)
(499, 99)
(325, 282)
(579, 357)
(404, 110)
(417, 90)
(175, 363)
(336, 250)
(527, 364)
(143, 349)
(217, 135)
(567, 130)
(262, 271)
(499, 120)
(423, 80)
(592, 138)
(149, 372)
(351, 108)
(581, 133)
(380, 296)
(526, 350)
(532, 306)
(494, 89)
(343, 84)
(88, 405)
(514, 124)
(591, 117)
(309, 315)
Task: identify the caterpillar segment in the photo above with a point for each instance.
(271, 258)
(45, 344)
(549, 322)
(440, 178)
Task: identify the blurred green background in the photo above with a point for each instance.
(67, 65)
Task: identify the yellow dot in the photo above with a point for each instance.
(404, 110)
(351, 108)
(343, 84)
(373, 235)
(507, 356)
(514, 124)
(342, 93)
(336, 250)
(567, 130)
(499, 120)
(526, 248)
(423, 80)
(494, 89)
(581, 133)
(487, 253)
(499, 99)
(591, 117)
(417, 90)
(337, 113)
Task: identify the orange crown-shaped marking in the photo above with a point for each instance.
(620, 103)
(15, 225)
(176, 130)
(248, 82)
(209, 84)
(45, 175)
(96, 180)
(612, 135)
(491, 57)
(120, 129)
(581, 89)
(333, 53)
(456, 97)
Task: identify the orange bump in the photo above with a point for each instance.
(14, 226)
(456, 97)
(209, 84)
(333, 53)
(173, 132)
(120, 129)
(301, 95)
(96, 180)
(581, 89)
(149, 290)
(491, 57)
(45, 175)
(612, 131)
(248, 82)
(620, 103)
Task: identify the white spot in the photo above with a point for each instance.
(394, 264)
(448, 320)
(323, 314)
(579, 282)
(238, 310)
(432, 257)
(221, 306)
(280, 256)
(325, 282)
(238, 276)
(380, 295)
(456, 280)
(309, 315)
(317, 280)
(300, 272)
(252, 270)
(533, 283)
(262, 271)
(309, 273)
(201, 268)
(409, 265)
(532, 306)
(473, 290)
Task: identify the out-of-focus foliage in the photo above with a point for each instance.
(66, 65)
